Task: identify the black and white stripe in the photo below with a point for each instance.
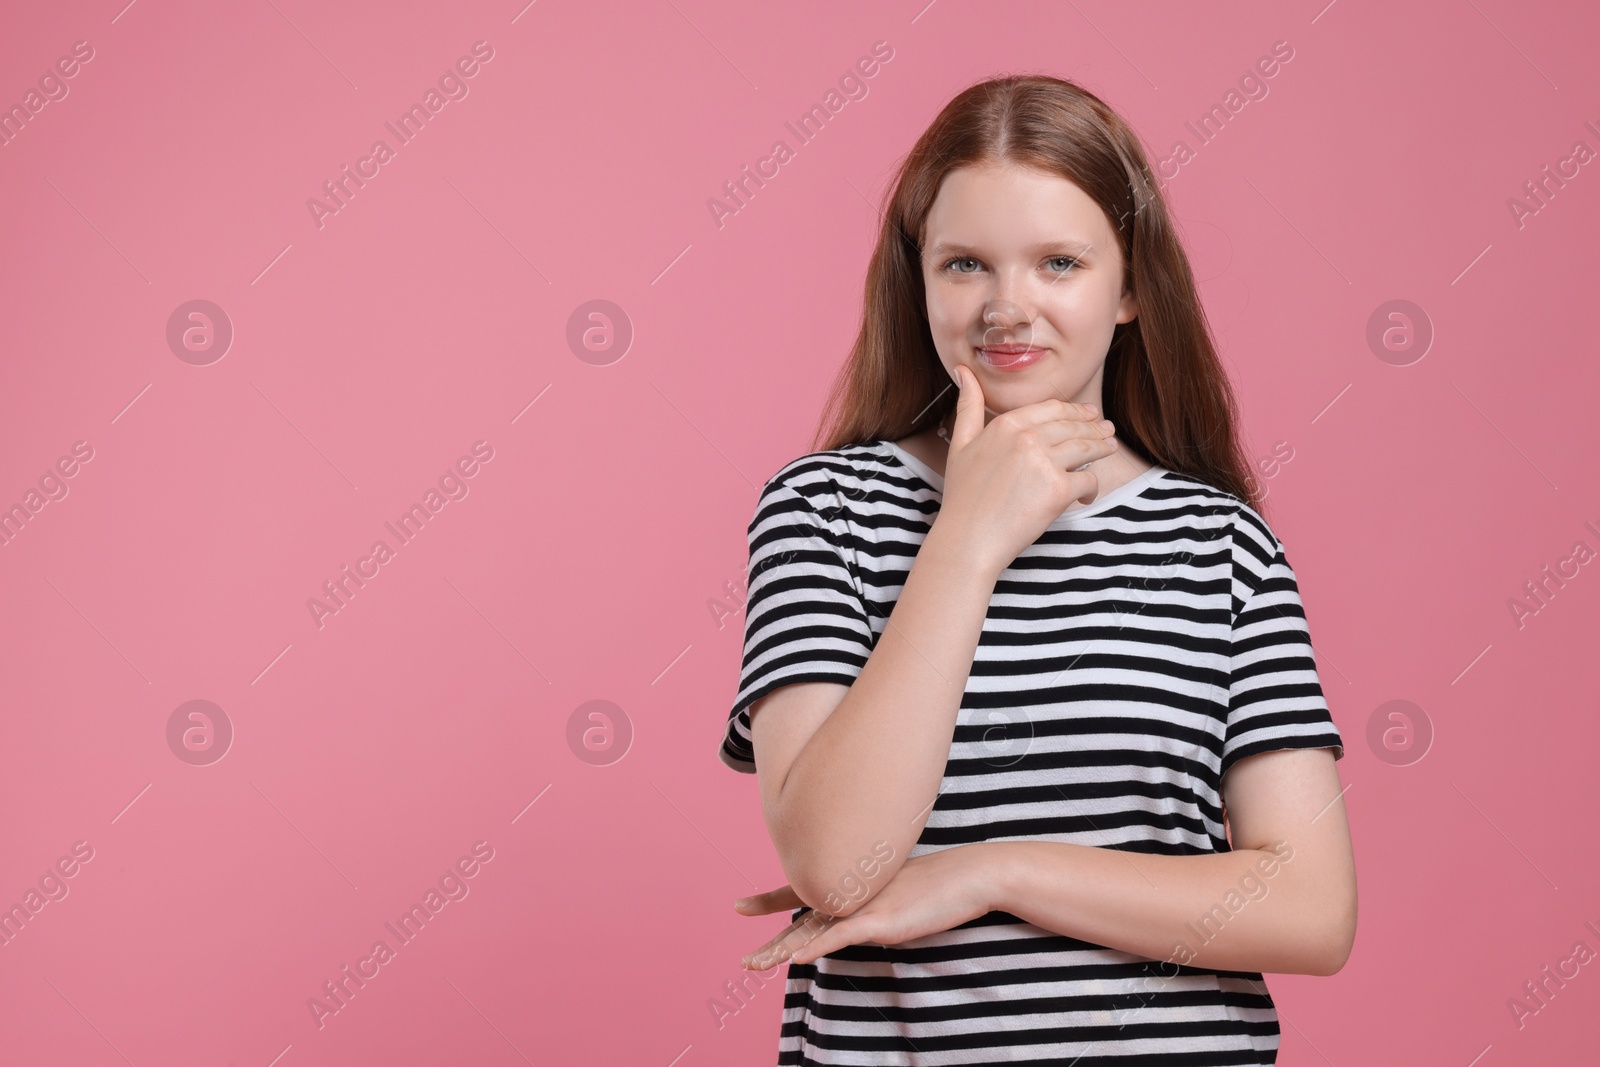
(1141, 646)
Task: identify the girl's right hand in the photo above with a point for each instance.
(1007, 481)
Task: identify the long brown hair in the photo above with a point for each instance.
(1163, 386)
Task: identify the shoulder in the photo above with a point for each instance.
(1253, 546)
(830, 479)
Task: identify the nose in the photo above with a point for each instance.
(1003, 322)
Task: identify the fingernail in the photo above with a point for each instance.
(741, 902)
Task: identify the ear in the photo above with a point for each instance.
(1128, 309)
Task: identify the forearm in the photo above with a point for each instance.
(1246, 910)
(872, 770)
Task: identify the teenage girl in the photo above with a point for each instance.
(1027, 677)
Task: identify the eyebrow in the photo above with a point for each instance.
(955, 247)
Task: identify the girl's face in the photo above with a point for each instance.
(1021, 267)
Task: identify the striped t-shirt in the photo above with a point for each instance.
(1143, 644)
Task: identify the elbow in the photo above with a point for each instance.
(833, 895)
(801, 865)
(1338, 942)
(831, 882)
(1328, 913)
(1336, 952)
(806, 887)
(798, 855)
(827, 878)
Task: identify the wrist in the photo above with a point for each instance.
(948, 546)
(991, 874)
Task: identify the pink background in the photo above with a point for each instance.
(591, 554)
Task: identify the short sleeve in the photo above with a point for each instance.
(1275, 698)
(804, 616)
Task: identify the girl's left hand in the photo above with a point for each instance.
(929, 894)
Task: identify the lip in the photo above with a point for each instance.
(1010, 357)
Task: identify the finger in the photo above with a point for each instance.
(779, 948)
(1089, 479)
(781, 899)
(803, 946)
(1045, 411)
(969, 408)
(1074, 456)
(1071, 453)
(834, 937)
(1056, 431)
(764, 957)
(800, 932)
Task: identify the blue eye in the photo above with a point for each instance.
(1066, 264)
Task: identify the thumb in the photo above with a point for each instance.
(969, 407)
(781, 899)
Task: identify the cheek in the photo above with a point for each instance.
(1085, 313)
(941, 316)
(949, 312)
